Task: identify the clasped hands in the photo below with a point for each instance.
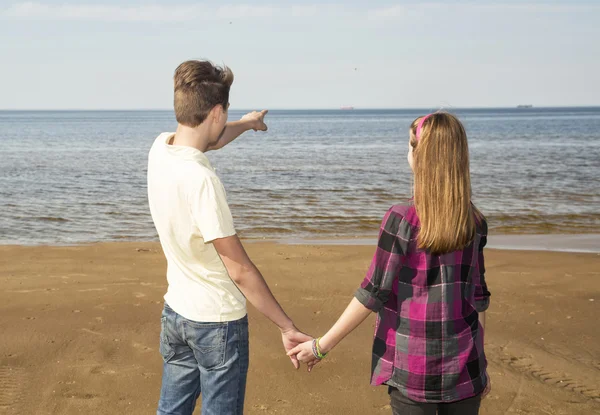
(300, 347)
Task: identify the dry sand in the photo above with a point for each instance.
(79, 331)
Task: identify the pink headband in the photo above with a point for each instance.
(420, 126)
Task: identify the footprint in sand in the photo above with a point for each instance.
(100, 370)
(12, 382)
(261, 407)
(33, 291)
(92, 289)
(80, 395)
(311, 298)
(142, 347)
(62, 277)
(96, 333)
(555, 379)
(103, 306)
(282, 403)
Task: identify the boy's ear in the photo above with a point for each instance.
(216, 113)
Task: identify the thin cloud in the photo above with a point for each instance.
(229, 12)
(387, 12)
(145, 13)
(401, 11)
(199, 12)
(305, 11)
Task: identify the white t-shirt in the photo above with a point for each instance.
(189, 209)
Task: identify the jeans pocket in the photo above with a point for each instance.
(165, 348)
(208, 341)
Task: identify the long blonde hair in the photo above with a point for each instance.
(442, 184)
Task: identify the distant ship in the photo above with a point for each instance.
(347, 107)
(525, 106)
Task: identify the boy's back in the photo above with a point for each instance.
(204, 327)
(188, 207)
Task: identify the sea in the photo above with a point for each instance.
(72, 177)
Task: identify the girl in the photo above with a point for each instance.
(426, 283)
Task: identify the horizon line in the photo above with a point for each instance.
(305, 108)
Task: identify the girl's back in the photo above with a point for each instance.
(428, 342)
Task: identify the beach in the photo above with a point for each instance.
(80, 328)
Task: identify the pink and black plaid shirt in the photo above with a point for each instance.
(428, 340)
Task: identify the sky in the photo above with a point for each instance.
(302, 54)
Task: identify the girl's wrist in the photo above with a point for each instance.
(324, 345)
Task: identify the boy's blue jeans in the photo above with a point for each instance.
(203, 358)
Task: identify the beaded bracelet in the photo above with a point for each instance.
(314, 349)
(318, 349)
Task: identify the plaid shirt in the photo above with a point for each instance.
(428, 340)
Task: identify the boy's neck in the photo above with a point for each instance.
(197, 137)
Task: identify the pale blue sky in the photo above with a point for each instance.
(302, 54)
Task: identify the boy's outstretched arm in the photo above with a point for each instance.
(251, 283)
(254, 120)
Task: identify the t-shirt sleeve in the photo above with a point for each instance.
(211, 212)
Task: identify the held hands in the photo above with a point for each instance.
(291, 339)
(307, 352)
(256, 120)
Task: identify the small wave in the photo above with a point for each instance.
(101, 204)
(265, 231)
(536, 229)
(50, 219)
(116, 213)
(132, 236)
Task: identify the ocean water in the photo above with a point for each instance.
(80, 176)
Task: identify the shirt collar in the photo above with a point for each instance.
(185, 152)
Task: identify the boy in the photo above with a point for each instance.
(204, 327)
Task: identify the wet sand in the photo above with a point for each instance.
(80, 331)
(585, 243)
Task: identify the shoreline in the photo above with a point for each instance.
(574, 243)
(577, 243)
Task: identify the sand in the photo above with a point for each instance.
(80, 331)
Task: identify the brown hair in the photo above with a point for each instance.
(442, 188)
(199, 87)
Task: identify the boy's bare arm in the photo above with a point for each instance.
(252, 121)
(251, 283)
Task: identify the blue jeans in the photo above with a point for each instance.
(202, 358)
